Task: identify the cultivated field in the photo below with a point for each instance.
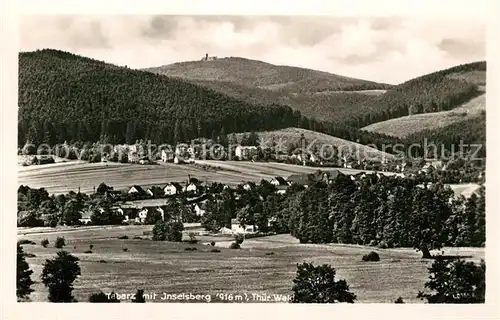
(64, 177)
(166, 267)
(404, 126)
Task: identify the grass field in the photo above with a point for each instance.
(166, 267)
(64, 177)
(292, 135)
(404, 126)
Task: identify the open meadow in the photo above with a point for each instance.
(407, 125)
(264, 265)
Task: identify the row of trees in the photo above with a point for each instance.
(389, 211)
(385, 211)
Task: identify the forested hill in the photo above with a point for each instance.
(439, 91)
(259, 74)
(63, 96)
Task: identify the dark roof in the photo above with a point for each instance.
(281, 181)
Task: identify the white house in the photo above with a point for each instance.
(236, 227)
(85, 219)
(172, 188)
(143, 213)
(199, 209)
(149, 192)
(135, 189)
(167, 156)
(191, 187)
(281, 189)
(247, 186)
(245, 152)
(141, 217)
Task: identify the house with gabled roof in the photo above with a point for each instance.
(172, 188)
(278, 181)
(237, 227)
(136, 189)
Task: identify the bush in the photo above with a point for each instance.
(45, 243)
(123, 237)
(399, 300)
(87, 251)
(103, 261)
(212, 243)
(234, 245)
(168, 231)
(125, 249)
(91, 246)
(102, 297)
(372, 256)
(60, 242)
(215, 250)
(238, 238)
(137, 238)
(373, 243)
(25, 241)
(139, 296)
(192, 238)
(190, 249)
(455, 282)
(316, 284)
(269, 253)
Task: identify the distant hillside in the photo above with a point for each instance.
(258, 74)
(468, 133)
(404, 126)
(63, 96)
(326, 105)
(329, 97)
(439, 91)
(292, 136)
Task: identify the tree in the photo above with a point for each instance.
(158, 192)
(426, 224)
(139, 296)
(71, 213)
(29, 218)
(168, 231)
(103, 188)
(455, 282)
(316, 284)
(102, 214)
(60, 242)
(253, 139)
(45, 243)
(24, 273)
(239, 238)
(59, 274)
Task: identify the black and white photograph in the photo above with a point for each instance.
(269, 159)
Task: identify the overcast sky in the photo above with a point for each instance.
(388, 49)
